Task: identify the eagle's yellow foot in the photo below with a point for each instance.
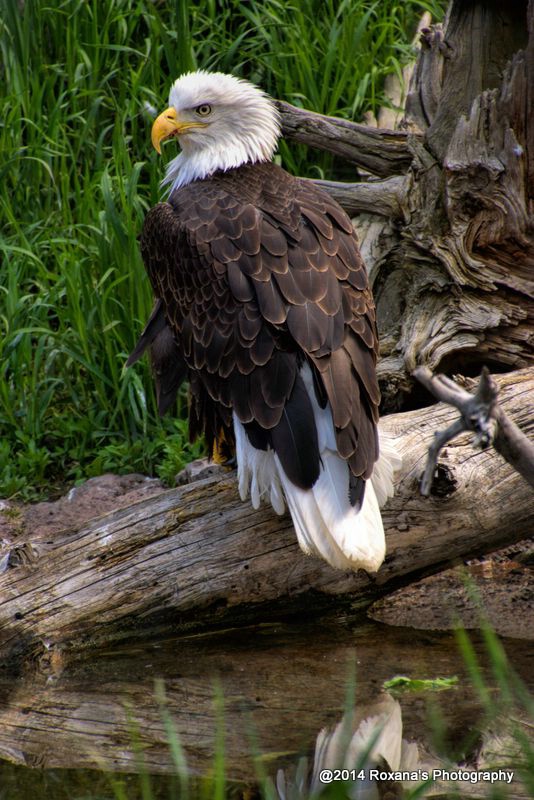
(222, 452)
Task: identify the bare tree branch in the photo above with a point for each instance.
(371, 197)
(378, 150)
(480, 413)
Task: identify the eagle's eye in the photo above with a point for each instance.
(203, 110)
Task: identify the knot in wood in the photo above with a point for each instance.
(22, 555)
(444, 482)
(483, 427)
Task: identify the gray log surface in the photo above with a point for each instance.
(197, 557)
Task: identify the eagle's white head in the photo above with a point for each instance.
(220, 122)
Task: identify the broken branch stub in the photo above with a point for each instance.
(481, 414)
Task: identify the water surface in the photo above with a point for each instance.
(280, 684)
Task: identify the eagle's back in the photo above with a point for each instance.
(259, 273)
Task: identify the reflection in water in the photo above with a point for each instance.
(370, 760)
(281, 685)
(362, 753)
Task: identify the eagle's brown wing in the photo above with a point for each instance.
(168, 366)
(259, 272)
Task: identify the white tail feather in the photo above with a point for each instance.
(389, 462)
(328, 525)
(256, 471)
(325, 522)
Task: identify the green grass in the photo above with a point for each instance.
(78, 174)
(512, 700)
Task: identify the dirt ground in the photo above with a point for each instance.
(500, 586)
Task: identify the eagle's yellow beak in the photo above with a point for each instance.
(169, 124)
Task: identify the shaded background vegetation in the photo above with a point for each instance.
(78, 174)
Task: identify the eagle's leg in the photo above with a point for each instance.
(223, 450)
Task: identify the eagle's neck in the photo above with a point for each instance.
(195, 165)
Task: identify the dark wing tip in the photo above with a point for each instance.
(156, 323)
(168, 367)
(356, 490)
(295, 440)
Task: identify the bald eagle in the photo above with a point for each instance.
(262, 303)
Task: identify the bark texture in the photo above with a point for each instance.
(480, 413)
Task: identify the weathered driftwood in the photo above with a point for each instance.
(481, 414)
(196, 556)
(448, 240)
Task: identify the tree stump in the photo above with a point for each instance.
(448, 235)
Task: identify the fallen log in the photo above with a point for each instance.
(197, 557)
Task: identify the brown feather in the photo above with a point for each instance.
(320, 222)
(168, 367)
(156, 323)
(294, 439)
(363, 365)
(341, 390)
(262, 347)
(272, 239)
(272, 306)
(289, 288)
(249, 328)
(240, 285)
(277, 378)
(308, 325)
(312, 284)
